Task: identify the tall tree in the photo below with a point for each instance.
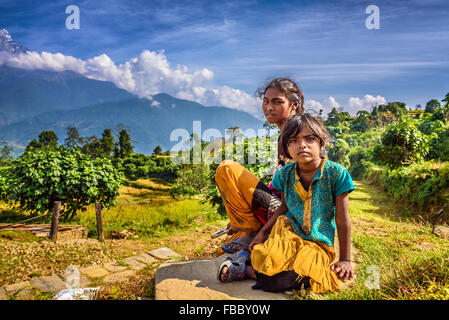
(107, 143)
(5, 155)
(157, 151)
(73, 139)
(48, 139)
(124, 144)
(432, 106)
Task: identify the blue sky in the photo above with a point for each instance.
(324, 45)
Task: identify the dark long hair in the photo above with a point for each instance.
(286, 86)
(295, 124)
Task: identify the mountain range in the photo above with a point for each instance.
(35, 100)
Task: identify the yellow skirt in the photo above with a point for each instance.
(284, 250)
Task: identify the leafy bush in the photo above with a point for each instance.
(421, 187)
(340, 153)
(401, 144)
(41, 176)
(193, 179)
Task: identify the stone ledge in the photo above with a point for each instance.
(48, 284)
(196, 280)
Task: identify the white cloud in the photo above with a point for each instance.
(313, 105)
(156, 104)
(44, 60)
(334, 104)
(366, 103)
(145, 75)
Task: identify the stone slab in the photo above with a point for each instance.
(164, 254)
(3, 295)
(441, 231)
(134, 264)
(48, 284)
(114, 267)
(145, 258)
(13, 288)
(197, 280)
(119, 276)
(94, 271)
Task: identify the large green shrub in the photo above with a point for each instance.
(401, 144)
(421, 186)
(41, 176)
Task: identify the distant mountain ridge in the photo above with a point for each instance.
(150, 125)
(27, 93)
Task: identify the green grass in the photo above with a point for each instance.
(147, 221)
(412, 261)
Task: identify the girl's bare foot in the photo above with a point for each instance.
(249, 271)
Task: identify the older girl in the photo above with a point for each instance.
(249, 202)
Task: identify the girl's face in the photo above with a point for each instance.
(276, 106)
(305, 147)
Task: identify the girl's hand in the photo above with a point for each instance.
(259, 238)
(230, 230)
(343, 269)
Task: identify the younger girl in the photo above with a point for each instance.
(314, 200)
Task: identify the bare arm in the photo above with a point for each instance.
(266, 229)
(343, 267)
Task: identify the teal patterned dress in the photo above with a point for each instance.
(312, 212)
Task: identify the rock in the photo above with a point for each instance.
(119, 276)
(441, 231)
(145, 258)
(196, 280)
(23, 290)
(114, 267)
(3, 295)
(94, 271)
(134, 264)
(48, 284)
(164, 254)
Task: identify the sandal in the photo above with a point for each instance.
(236, 264)
(240, 243)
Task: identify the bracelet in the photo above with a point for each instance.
(345, 260)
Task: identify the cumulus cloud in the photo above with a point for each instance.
(310, 104)
(353, 104)
(334, 104)
(145, 75)
(44, 60)
(150, 73)
(365, 103)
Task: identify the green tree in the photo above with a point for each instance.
(157, 151)
(446, 100)
(363, 121)
(401, 144)
(93, 147)
(37, 179)
(107, 143)
(125, 148)
(73, 139)
(48, 139)
(432, 106)
(33, 144)
(5, 155)
(340, 153)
